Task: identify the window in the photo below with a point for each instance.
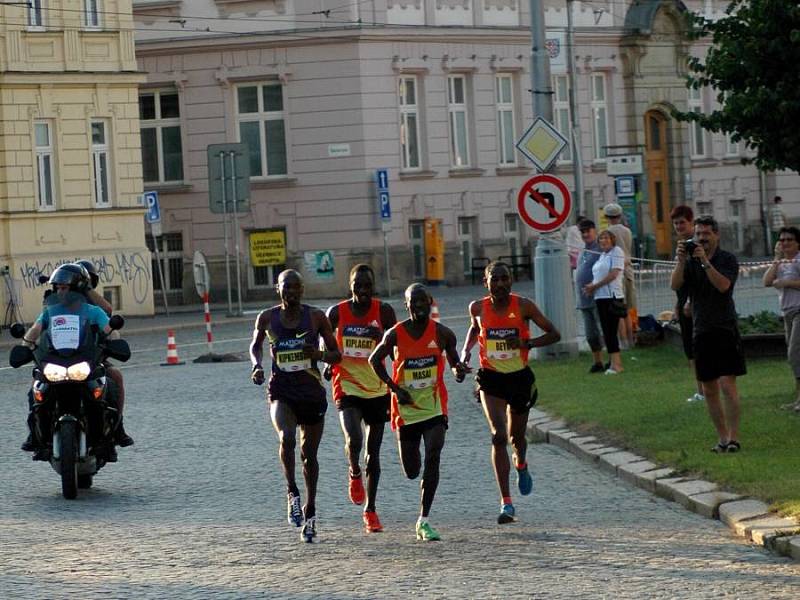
(511, 231)
(696, 131)
(91, 13)
(44, 165)
(266, 277)
(457, 115)
(170, 247)
(731, 147)
(162, 149)
(505, 120)
(100, 164)
(409, 122)
(416, 234)
(561, 114)
(259, 113)
(466, 242)
(599, 116)
(35, 13)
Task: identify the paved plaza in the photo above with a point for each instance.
(196, 509)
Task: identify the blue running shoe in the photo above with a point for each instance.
(294, 512)
(524, 481)
(506, 514)
(309, 531)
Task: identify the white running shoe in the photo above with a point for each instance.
(696, 397)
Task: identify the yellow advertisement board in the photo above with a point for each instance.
(434, 250)
(268, 247)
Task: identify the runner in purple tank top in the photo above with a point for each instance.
(295, 393)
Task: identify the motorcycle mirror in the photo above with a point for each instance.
(20, 355)
(43, 278)
(118, 350)
(17, 330)
(116, 322)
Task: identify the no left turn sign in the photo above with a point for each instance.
(544, 203)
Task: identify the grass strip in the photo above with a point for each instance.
(645, 410)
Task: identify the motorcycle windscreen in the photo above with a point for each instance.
(68, 328)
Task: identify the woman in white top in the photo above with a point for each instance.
(607, 285)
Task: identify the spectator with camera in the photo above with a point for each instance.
(709, 274)
(784, 275)
(682, 217)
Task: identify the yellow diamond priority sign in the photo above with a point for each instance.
(541, 143)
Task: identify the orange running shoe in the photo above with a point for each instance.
(357, 494)
(371, 522)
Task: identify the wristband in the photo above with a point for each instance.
(257, 367)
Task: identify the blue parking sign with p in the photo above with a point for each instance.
(153, 214)
(386, 207)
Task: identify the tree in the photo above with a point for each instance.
(754, 66)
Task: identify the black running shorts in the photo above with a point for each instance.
(517, 388)
(374, 411)
(413, 432)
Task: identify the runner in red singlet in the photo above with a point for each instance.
(505, 379)
(419, 397)
(359, 324)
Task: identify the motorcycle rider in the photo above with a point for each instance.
(66, 278)
(120, 435)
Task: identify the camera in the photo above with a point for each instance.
(689, 245)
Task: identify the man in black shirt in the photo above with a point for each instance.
(709, 275)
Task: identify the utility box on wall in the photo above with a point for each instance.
(434, 252)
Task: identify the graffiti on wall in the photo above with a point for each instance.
(126, 269)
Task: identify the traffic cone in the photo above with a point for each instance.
(172, 351)
(435, 311)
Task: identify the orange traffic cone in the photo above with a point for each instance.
(435, 311)
(172, 351)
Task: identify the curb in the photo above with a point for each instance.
(746, 517)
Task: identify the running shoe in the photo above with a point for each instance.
(426, 533)
(696, 397)
(309, 530)
(371, 522)
(294, 511)
(524, 481)
(506, 514)
(357, 494)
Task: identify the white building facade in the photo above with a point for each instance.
(326, 93)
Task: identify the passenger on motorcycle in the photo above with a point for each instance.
(121, 436)
(65, 279)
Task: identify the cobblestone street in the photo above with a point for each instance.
(196, 509)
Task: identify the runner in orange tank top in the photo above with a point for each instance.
(419, 397)
(507, 385)
(359, 324)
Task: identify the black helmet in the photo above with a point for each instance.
(74, 275)
(94, 276)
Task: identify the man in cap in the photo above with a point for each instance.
(613, 213)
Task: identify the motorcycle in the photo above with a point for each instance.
(74, 414)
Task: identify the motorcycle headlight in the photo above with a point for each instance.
(79, 371)
(54, 373)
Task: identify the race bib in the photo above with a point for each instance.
(65, 332)
(289, 355)
(356, 341)
(496, 345)
(420, 373)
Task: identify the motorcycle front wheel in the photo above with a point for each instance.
(68, 440)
